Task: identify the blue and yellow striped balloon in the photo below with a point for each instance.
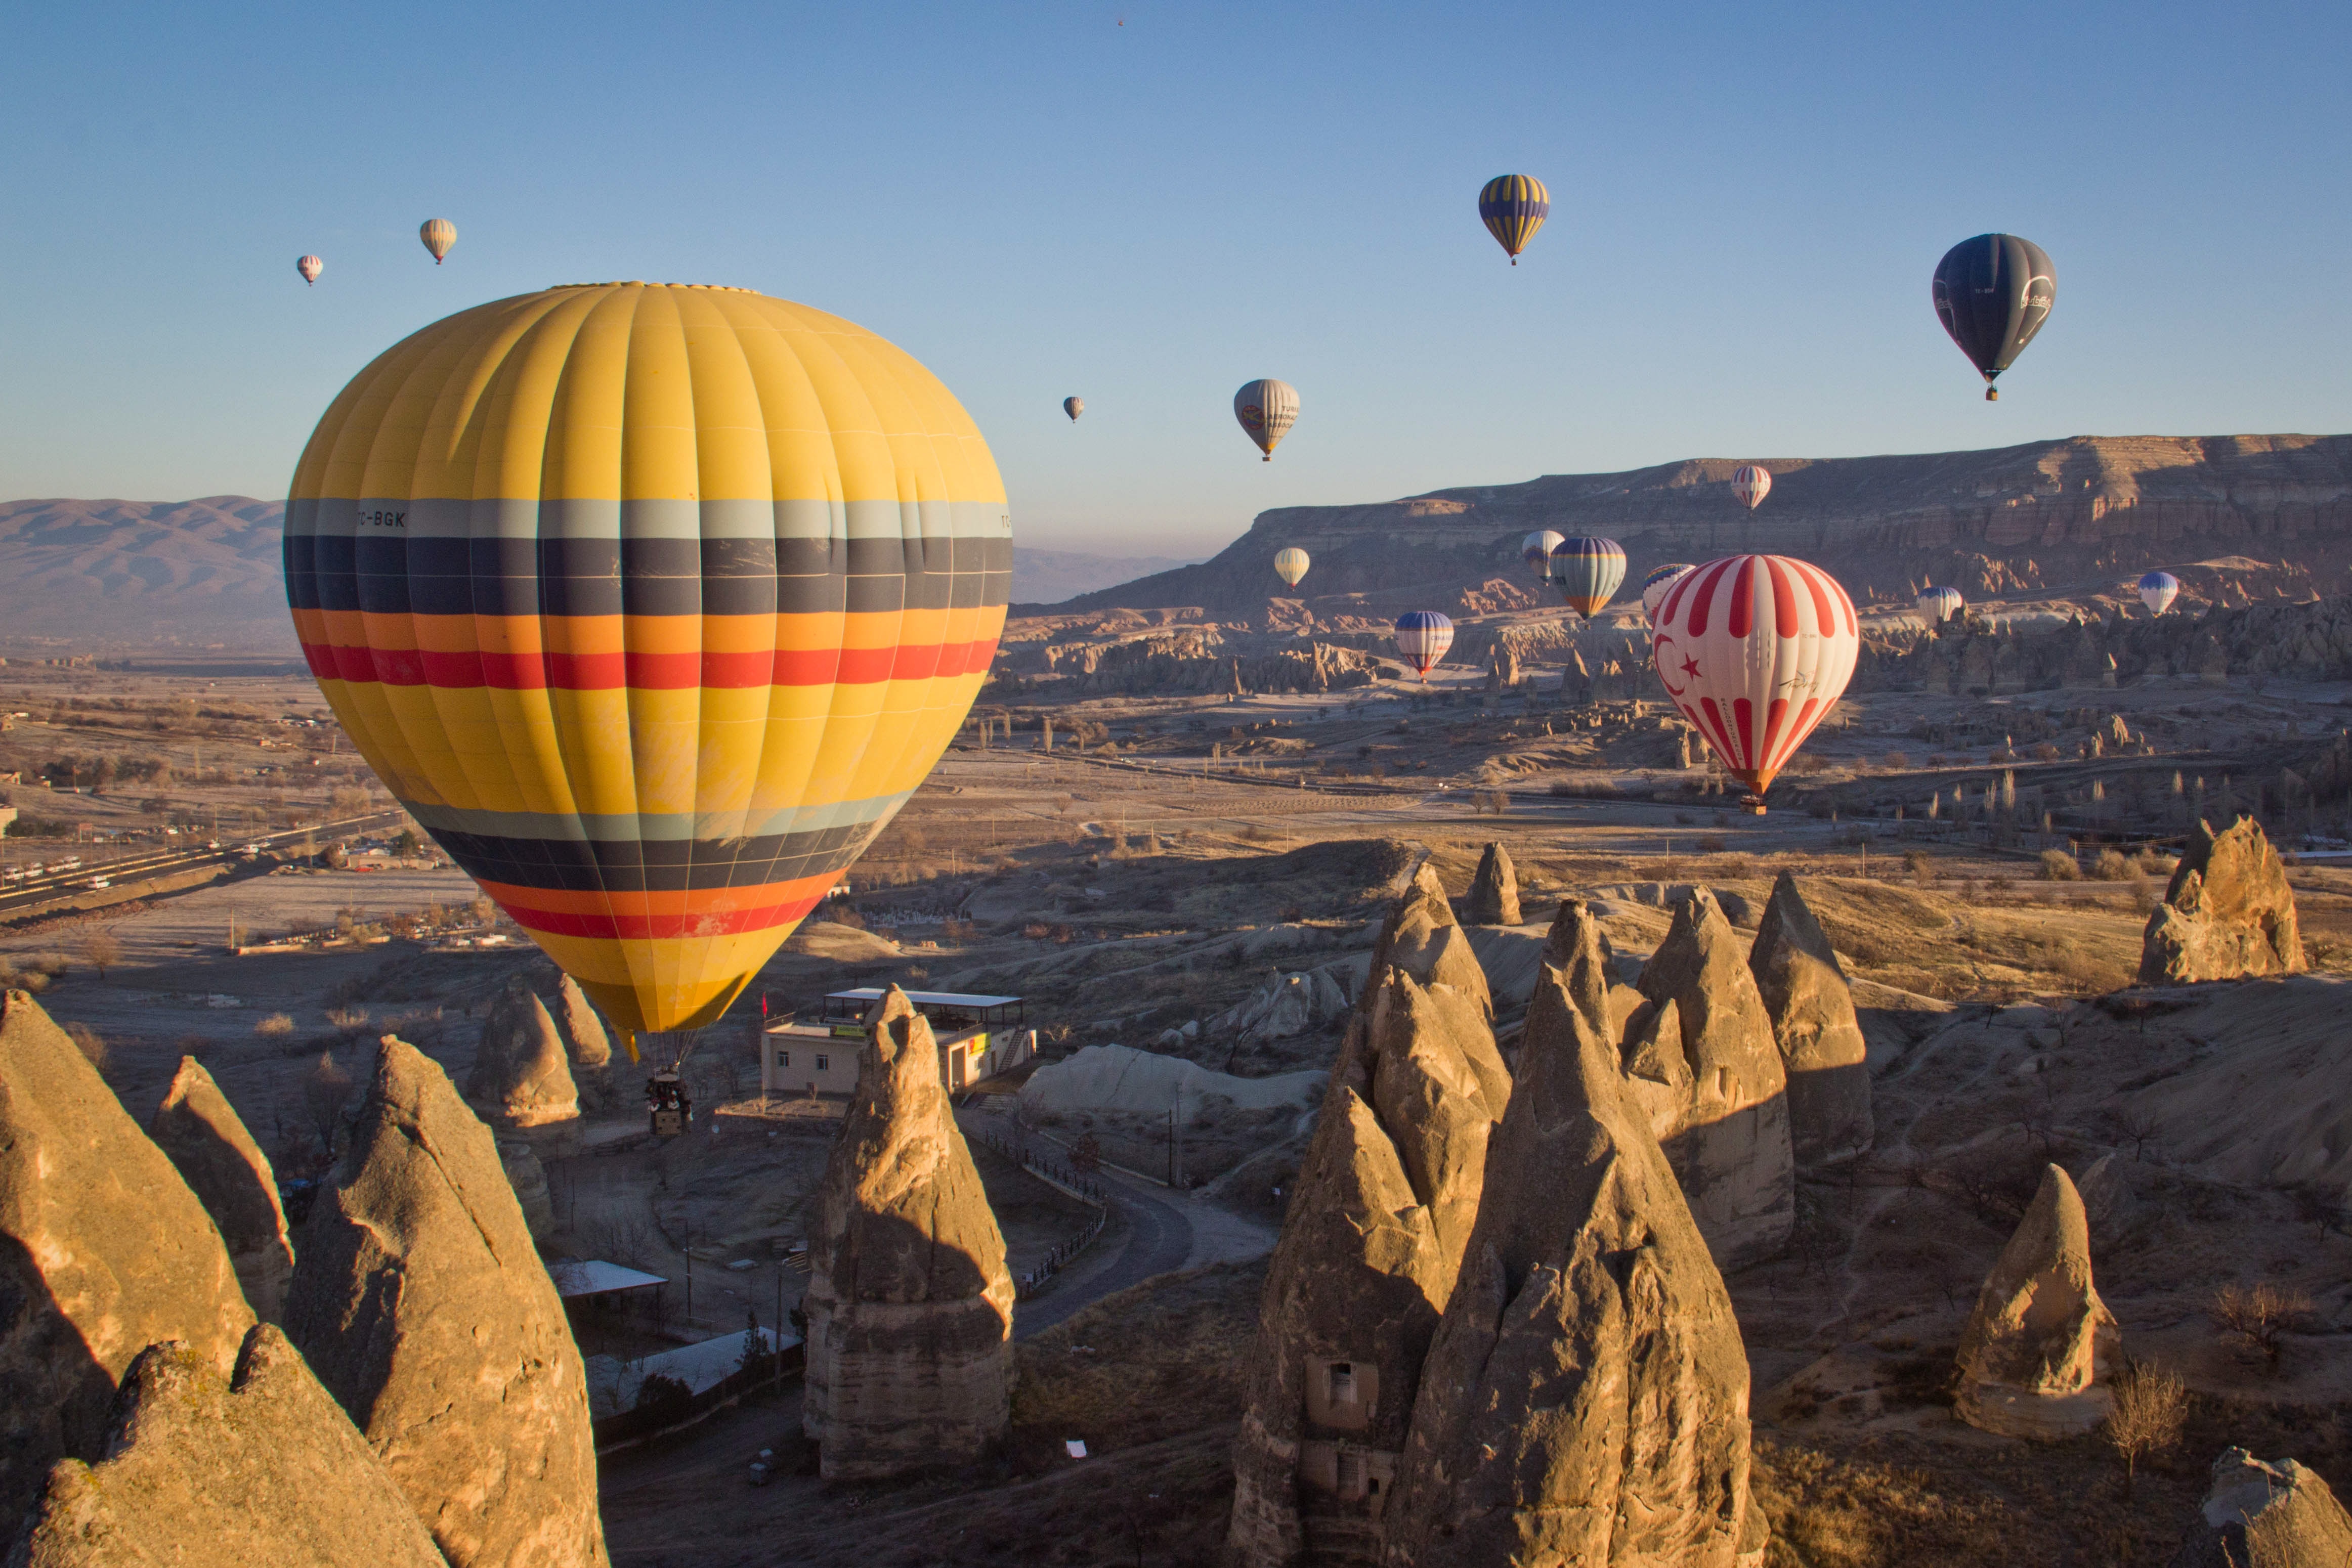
(1586, 572)
(652, 605)
(1513, 207)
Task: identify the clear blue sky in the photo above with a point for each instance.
(1036, 200)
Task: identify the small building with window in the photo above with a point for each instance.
(979, 1037)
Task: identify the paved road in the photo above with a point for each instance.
(1158, 1238)
(123, 871)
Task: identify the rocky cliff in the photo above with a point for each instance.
(2016, 517)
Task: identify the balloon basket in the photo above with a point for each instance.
(1992, 394)
(1752, 804)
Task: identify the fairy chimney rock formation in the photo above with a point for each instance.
(1811, 1008)
(197, 1128)
(528, 1179)
(1495, 890)
(1585, 1398)
(1421, 938)
(2228, 912)
(423, 1307)
(1579, 949)
(2264, 1515)
(910, 1302)
(2041, 1347)
(583, 1030)
(1715, 1086)
(103, 1253)
(256, 1468)
(521, 1081)
(1385, 1200)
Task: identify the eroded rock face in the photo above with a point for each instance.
(1495, 891)
(2228, 912)
(2041, 1347)
(2264, 1515)
(103, 1253)
(528, 1179)
(1715, 1086)
(521, 1082)
(1421, 938)
(590, 1046)
(1585, 1398)
(258, 1468)
(1439, 1085)
(199, 1131)
(910, 1302)
(1579, 949)
(1811, 1008)
(422, 1305)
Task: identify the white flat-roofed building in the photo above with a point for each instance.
(979, 1037)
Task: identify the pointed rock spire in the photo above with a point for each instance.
(423, 1307)
(910, 1302)
(1579, 949)
(259, 1468)
(1813, 1022)
(1495, 891)
(2041, 1346)
(230, 1176)
(1585, 1398)
(1421, 938)
(2228, 912)
(1440, 1085)
(590, 1046)
(103, 1253)
(1728, 1131)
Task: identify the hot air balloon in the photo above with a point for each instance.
(1513, 207)
(652, 604)
(1423, 636)
(310, 267)
(1537, 548)
(1939, 605)
(1654, 586)
(438, 234)
(1267, 409)
(1752, 484)
(1290, 564)
(1586, 572)
(1992, 294)
(2157, 589)
(1074, 406)
(1755, 650)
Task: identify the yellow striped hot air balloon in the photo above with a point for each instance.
(1513, 207)
(1290, 564)
(652, 605)
(438, 234)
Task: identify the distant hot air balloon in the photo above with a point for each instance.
(1267, 409)
(1752, 484)
(1423, 636)
(1290, 564)
(1992, 294)
(1513, 207)
(1755, 650)
(438, 234)
(1537, 548)
(652, 605)
(1074, 406)
(1586, 572)
(1939, 605)
(310, 267)
(1654, 586)
(2157, 589)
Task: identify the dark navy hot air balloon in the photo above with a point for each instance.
(1992, 294)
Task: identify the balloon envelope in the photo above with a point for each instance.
(1290, 564)
(310, 267)
(1588, 571)
(1756, 649)
(1939, 605)
(1654, 586)
(2157, 589)
(1267, 409)
(1074, 406)
(438, 234)
(1992, 294)
(1537, 548)
(652, 604)
(1513, 207)
(1752, 484)
(1423, 636)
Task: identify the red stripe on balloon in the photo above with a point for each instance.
(1743, 599)
(1784, 596)
(1775, 712)
(470, 669)
(1743, 711)
(1721, 733)
(1705, 601)
(611, 927)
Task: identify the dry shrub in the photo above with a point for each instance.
(89, 1043)
(2114, 865)
(348, 1021)
(277, 1025)
(2260, 1318)
(2057, 865)
(2150, 1408)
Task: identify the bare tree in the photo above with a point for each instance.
(2260, 1318)
(101, 950)
(326, 1089)
(2151, 1407)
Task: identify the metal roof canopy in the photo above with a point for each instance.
(577, 1279)
(854, 1004)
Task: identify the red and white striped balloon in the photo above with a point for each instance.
(1752, 484)
(1755, 650)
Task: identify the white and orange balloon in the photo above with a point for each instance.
(1756, 650)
